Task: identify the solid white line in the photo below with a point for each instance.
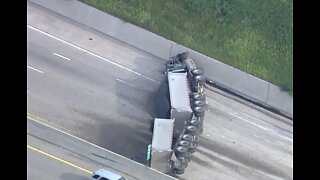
(124, 82)
(61, 56)
(91, 53)
(264, 128)
(35, 69)
(75, 137)
(235, 114)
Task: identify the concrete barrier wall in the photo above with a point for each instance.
(231, 78)
(278, 98)
(93, 152)
(110, 25)
(240, 82)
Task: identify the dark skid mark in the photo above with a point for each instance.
(225, 163)
(103, 157)
(239, 157)
(201, 162)
(121, 138)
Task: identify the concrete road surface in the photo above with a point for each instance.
(95, 97)
(103, 91)
(47, 161)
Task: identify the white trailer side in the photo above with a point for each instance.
(179, 100)
(161, 144)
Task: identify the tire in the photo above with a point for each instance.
(197, 72)
(185, 161)
(193, 147)
(199, 115)
(179, 151)
(198, 96)
(200, 79)
(170, 64)
(179, 169)
(195, 123)
(186, 137)
(199, 111)
(200, 103)
(193, 94)
(184, 143)
(192, 130)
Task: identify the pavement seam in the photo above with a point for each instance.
(58, 159)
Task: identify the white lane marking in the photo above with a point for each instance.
(35, 69)
(91, 53)
(79, 139)
(237, 115)
(61, 56)
(265, 128)
(125, 82)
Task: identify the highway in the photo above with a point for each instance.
(103, 90)
(52, 162)
(99, 100)
(47, 161)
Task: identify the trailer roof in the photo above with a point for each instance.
(179, 91)
(162, 134)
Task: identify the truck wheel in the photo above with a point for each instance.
(199, 115)
(200, 79)
(198, 96)
(192, 148)
(195, 123)
(183, 143)
(179, 151)
(170, 64)
(192, 130)
(179, 169)
(185, 161)
(186, 137)
(200, 103)
(198, 111)
(197, 72)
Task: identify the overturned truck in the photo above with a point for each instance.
(181, 109)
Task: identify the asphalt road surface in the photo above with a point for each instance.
(103, 90)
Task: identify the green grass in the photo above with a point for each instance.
(255, 36)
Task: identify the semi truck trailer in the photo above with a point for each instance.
(181, 107)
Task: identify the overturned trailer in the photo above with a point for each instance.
(161, 151)
(180, 109)
(182, 100)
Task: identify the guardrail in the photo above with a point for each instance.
(93, 152)
(231, 78)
